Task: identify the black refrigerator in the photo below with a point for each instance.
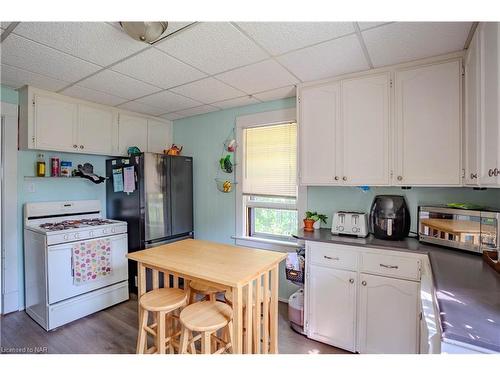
(153, 193)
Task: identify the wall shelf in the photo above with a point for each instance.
(57, 178)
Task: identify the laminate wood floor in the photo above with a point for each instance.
(113, 331)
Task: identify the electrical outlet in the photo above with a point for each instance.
(30, 187)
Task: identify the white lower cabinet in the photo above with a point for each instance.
(388, 315)
(332, 293)
(358, 311)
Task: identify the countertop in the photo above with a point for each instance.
(467, 289)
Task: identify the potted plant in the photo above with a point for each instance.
(311, 219)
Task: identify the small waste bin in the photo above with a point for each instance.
(296, 311)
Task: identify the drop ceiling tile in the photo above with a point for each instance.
(406, 41)
(197, 111)
(261, 76)
(37, 58)
(238, 102)
(328, 59)
(171, 116)
(169, 101)
(281, 93)
(281, 37)
(213, 47)
(208, 90)
(371, 25)
(139, 107)
(93, 96)
(97, 42)
(156, 67)
(16, 78)
(118, 84)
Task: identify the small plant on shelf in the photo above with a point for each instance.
(312, 218)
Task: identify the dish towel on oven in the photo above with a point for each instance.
(91, 260)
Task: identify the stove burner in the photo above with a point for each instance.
(72, 224)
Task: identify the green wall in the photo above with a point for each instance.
(8, 95)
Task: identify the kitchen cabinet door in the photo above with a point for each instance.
(490, 119)
(388, 315)
(428, 128)
(365, 130)
(331, 310)
(319, 115)
(97, 130)
(159, 136)
(55, 124)
(132, 131)
(472, 112)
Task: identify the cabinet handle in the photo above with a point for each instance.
(363, 283)
(344, 178)
(330, 258)
(400, 178)
(336, 178)
(388, 266)
(351, 281)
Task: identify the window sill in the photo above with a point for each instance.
(267, 244)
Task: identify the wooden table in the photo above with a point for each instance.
(225, 267)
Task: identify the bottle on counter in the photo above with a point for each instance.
(40, 165)
(55, 167)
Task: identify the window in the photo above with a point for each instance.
(269, 181)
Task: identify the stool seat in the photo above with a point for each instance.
(206, 316)
(228, 296)
(163, 299)
(202, 288)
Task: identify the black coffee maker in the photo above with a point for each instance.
(389, 217)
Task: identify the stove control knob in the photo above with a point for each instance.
(104, 231)
(65, 236)
(77, 235)
(112, 230)
(91, 233)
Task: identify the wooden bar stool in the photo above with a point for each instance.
(228, 297)
(161, 302)
(208, 292)
(207, 318)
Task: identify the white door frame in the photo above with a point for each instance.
(9, 259)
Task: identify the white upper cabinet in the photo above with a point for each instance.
(132, 131)
(55, 124)
(96, 130)
(388, 315)
(365, 130)
(319, 115)
(472, 112)
(428, 127)
(159, 135)
(489, 133)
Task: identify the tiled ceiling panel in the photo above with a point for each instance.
(172, 116)
(197, 111)
(172, 27)
(213, 47)
(117, 84)
(16, 78)
(37, 58)
(258, 77)
(136, 106)
(280, 37)
(208, 90)
(406, 41)
(370, 25)
(156, 67)
(169, 101)
(238, 102)
(97, 42)
(93, 95)
(281, 93)
(343, 55)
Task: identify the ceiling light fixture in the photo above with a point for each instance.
(147, 32)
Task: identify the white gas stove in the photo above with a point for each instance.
(53, 231)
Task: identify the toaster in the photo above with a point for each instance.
(352, 223)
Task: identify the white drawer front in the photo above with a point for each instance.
(391, 265)
(332, 255)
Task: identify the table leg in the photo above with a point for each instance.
(141, 290)
(274, 311)
(238, 320)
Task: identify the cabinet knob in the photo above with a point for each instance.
(336, 178)
(81, 146)
(400, 178)
(75, 146)
(490, 172)
(473, 176)
(363, 283)
(496, 172)
(344, 178)
(351, 281)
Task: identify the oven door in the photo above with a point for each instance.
(461, 229)
(60, 269)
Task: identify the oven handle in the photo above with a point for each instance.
(388, 266)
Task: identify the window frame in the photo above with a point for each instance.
(268, 118)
